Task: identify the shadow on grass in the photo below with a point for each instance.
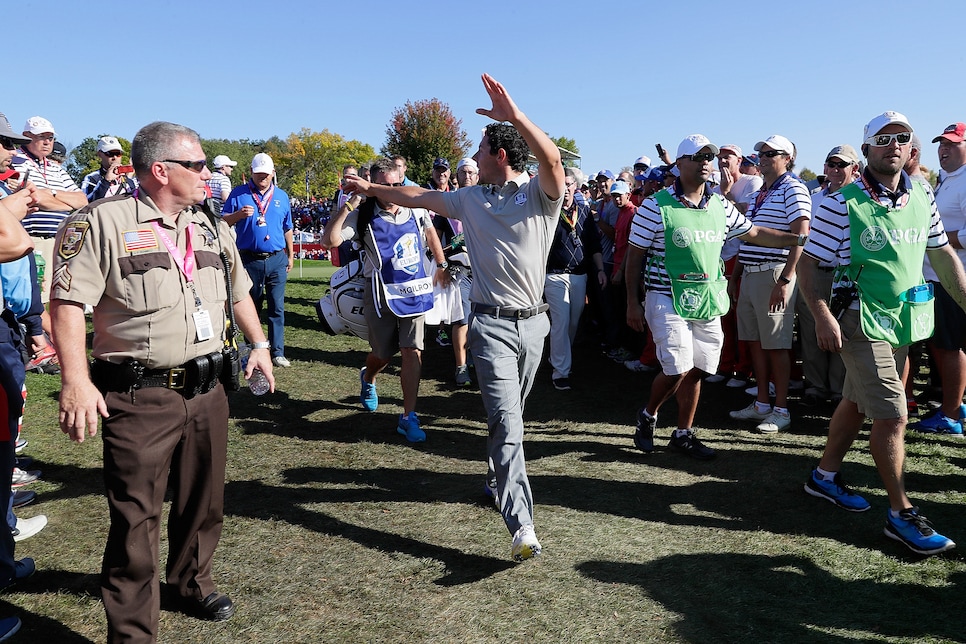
(742, 598)
(287, 505)
(37, 628)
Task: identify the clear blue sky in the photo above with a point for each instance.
(616, 78)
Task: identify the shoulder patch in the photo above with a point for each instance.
(75, 232)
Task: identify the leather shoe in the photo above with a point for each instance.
(216, 607)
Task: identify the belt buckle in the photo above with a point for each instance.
(524, 314)
(174, 375)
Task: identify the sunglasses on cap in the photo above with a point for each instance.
(194, 166)
(882, 140)
(771, 154)
(841, 165)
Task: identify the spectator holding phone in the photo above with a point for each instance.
(112, 178)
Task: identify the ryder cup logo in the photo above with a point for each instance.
(874, 239)
(406, 254)
(885, 322)
(923, 325)
(682, 237)
(520, 198)
(690, 299)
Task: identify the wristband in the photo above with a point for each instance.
(802, 239)
(783, 280)
(443, 264)
(260, 345)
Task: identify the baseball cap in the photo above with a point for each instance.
(467, 162)
(875, 126)
(58, 150)
(844, 152)
(262, 163)
(954, 133)
(694, 143)
(750, 159)
(605, 173)
(734, 149)
(222, 160)
(656, 174)
(38, 125)
(108, 143)
(776, 142)
(643, 160)
(620, 188)
(5, 130)
(440, 162)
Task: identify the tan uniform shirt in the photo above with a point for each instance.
(110, 257)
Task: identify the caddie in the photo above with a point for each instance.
(681, 230)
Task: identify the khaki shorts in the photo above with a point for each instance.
(872, 371)
(45, 246)
(387, 334)
(756, 323)
(681, 344)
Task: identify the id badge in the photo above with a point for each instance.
(203, 327)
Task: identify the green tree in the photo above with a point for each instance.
(83, 160)
(315, 159)
(567, 145)
(240, 151)
(422, 131)
(806, 175)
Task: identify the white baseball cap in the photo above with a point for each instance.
(38, 125)
(876, 125)
(467, 162)
(262, 163)
(777, 142)
(643, 160)
(222, 160)
(694, 143)
(108, 143)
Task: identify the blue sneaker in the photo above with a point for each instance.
(835, 491)
(939, 423)
(644, 435)
(409, 427)
(914, 530)
(367, 395)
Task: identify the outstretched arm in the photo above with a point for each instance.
(551, 172)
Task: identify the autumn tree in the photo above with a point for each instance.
(422, 131)
(314, 160)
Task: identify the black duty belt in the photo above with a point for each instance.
(197, 376)
(509, 313)
(250, 254)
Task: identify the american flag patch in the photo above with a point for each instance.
(135, 240)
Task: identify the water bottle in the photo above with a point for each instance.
(258, 383)
(41, 269)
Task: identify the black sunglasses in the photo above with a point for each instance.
(8, 144)
(701, 157)
(194, 166)
(841, 165)
(771, 154)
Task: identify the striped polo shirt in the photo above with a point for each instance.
(647, 233)
(48, 176)
(777, 207)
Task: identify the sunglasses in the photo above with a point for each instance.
(701, 157)
(771, 154)
(882, 140)
(390, 185)
(8, 144)
(841, 165)
(113, 153)
(194, 166)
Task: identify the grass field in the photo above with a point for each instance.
(337, 530)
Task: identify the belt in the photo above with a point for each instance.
(196, 376)
(255, 255)
(508, 313)
(568, 271)
(758, 268)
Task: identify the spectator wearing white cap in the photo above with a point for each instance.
(682, 229)
(261, 215)
(897, 223)
(55, 193)
(766, 304)
(110, 179)
(220, 184)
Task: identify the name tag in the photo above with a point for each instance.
(203, 327)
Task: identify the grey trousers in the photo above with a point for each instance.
(507, 355)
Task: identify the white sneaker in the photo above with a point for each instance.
(749, 413)
(736, 383)
(638, 367)
(525, 544)
(775, 422)
(281, 361)
(29, 527)
(23, 477)
(716, 378)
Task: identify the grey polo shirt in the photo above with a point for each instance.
(508, 231)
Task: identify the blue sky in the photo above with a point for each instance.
(615, 78)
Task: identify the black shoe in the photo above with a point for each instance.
(690, 445)
(216, 607)
(21, 570)
(23, 497)
(644, 436)
(561, 384)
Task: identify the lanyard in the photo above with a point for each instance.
(262, 207)
(762, 196)
(185, 262)
(40, 166)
